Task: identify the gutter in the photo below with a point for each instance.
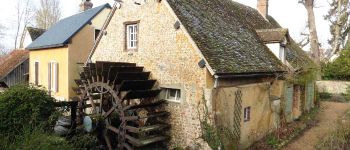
(45, 47)
(242, 75)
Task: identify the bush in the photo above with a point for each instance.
(347, 94)
(325, 95)
(24, 107)
(84, 140)
(338, 69)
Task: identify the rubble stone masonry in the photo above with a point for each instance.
(168, 53)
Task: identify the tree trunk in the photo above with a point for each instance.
(337, 29)
(347, 43)
(309, 5)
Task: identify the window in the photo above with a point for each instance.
(246, 114)
(53, 76)
(282, 54)
(36, 72)
(131, 36)
(173, 95)
(97, 32)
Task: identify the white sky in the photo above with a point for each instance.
(292, 15)
(288, 13)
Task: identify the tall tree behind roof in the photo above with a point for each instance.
(48, 13)
(314, 44)
(338, 16)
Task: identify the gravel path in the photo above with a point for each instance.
(328, 116)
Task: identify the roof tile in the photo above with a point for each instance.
(11, 60)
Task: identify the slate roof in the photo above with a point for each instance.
(34, 33)
(227, 43)
(295, 55)
(61, 33)
(276, 35)
(12, 60)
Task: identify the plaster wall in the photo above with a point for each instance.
(44, 56)
(264, 111)
(79, 49)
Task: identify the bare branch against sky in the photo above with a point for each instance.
(24, 16)
(48, 13)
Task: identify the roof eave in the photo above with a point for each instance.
(45, 47)
(249, 74)
(6, 74)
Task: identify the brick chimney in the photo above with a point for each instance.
(263, 7)
(85, 5)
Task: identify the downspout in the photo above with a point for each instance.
(116, 6)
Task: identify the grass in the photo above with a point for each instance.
(339, 138)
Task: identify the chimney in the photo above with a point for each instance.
(85, 5)
(263, 7)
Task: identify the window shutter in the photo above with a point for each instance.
(36, 72)
(49, 77)
(56, 77)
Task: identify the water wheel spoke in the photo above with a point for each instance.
(126, 90)
(108, 142)
(115, 130)
(127, 146)
(109, 112)
(93, 104)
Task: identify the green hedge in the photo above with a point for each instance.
(24, 107)
(338, 69)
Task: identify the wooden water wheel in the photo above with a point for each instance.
(119, 99)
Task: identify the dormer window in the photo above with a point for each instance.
(276, 40)
(282, 53)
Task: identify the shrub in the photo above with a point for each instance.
(338, 69)
(83, 140)
(347, 94)
(24, 107)
(325, 95)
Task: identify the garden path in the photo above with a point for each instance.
(330, 113)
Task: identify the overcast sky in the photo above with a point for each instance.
(288, 13)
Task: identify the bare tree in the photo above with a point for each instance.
(314, 44)
(2, 34)
(48, 13)
(24, 16)
(338, 16)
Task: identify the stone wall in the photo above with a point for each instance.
(333, 87)
(169, 55)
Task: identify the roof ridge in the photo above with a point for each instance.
(59, 35)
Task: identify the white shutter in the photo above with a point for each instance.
(49, 74)
(55, 76)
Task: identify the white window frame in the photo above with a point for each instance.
(36, 76)
(54, 76)
(132, 36)
(177, 97)
(247, 114)
(282, 54)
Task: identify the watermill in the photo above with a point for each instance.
(117, 101)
